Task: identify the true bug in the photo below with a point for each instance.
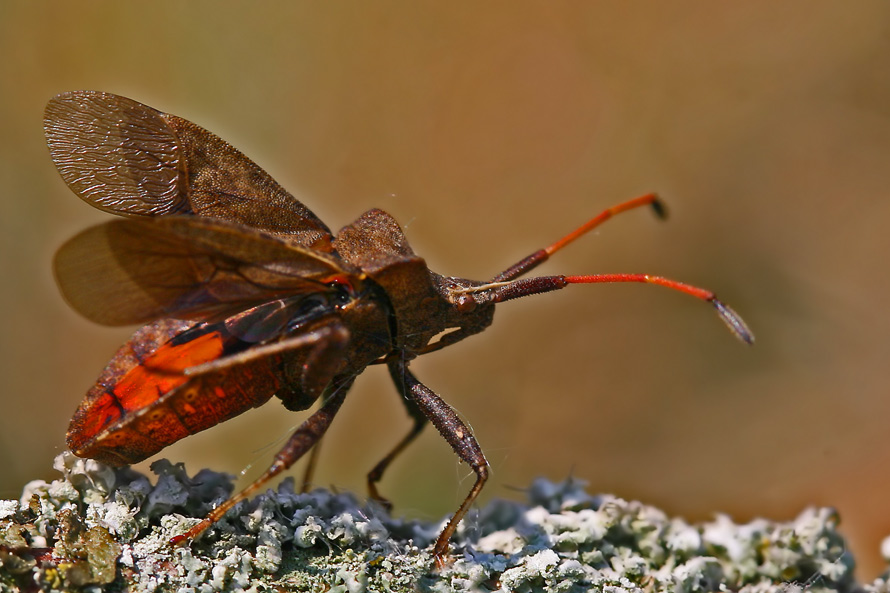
(247, 294)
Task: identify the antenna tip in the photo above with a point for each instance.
(659, 208)
(733, 321)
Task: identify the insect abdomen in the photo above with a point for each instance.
(145, 403)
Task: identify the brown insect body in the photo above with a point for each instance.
(247, 294)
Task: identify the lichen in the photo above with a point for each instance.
(100, 529)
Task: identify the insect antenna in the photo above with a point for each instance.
(530, 286)
(505, 286)
(531, 262)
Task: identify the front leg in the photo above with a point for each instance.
(454, 430)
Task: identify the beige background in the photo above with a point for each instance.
(489, 132)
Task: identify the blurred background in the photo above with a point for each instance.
(489, 131)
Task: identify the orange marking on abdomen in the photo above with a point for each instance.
(163, 371)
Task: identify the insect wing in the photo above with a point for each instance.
(132, 271)
(127, 158)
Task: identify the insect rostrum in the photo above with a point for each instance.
(247, 294)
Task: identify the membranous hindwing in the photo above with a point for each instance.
(280, 317)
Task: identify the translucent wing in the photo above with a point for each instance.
(130, 271)
(127, 158)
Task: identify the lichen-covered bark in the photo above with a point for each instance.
(101, 529)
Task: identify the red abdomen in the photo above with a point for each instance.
(144, 401)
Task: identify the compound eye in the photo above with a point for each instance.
(465, 303)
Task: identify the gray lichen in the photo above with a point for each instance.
(101, 529)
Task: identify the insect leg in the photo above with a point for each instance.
(332, 332)
(420, 420)
(317, 372)
(309, 472)
(301, 441)
(531, 262)
(453, 430)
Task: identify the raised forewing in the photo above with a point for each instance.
(127, 158)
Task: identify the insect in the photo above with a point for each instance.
(246, 295)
